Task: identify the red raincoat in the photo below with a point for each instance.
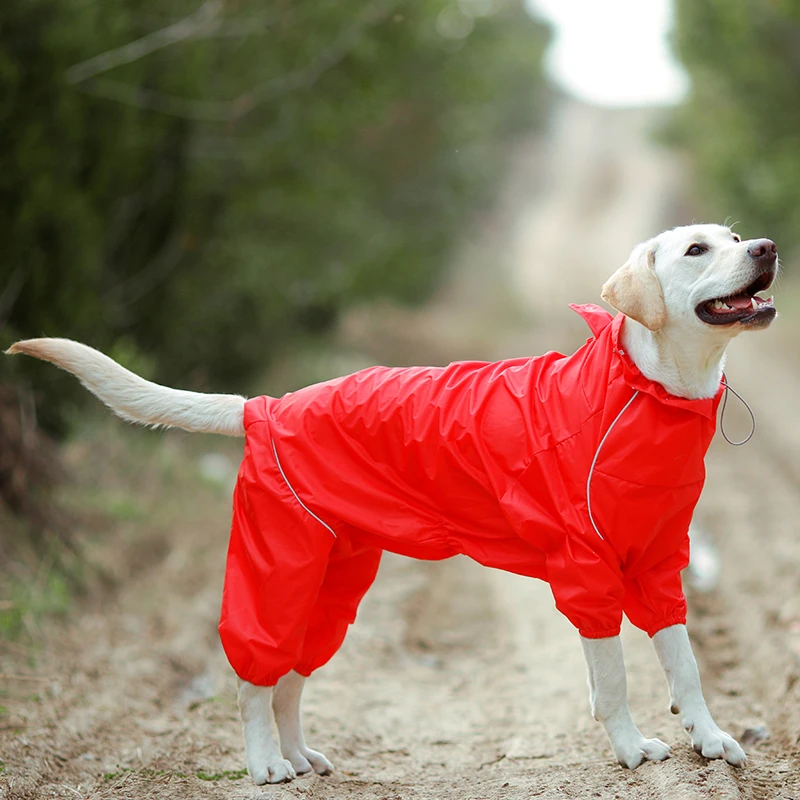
(574, 469)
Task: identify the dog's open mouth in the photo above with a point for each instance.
(744, 306)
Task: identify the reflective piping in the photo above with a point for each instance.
(594, 461)
(291, 489)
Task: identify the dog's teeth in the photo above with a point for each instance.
(753, 303)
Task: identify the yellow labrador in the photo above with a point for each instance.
(686, 293)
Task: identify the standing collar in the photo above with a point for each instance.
(600, 322)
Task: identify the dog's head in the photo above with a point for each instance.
(700, 277)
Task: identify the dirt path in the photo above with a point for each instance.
(456, 681)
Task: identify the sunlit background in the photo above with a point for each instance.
(614, 53)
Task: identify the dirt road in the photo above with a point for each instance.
(456, 681)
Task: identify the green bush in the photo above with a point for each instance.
(196, 206)
(742, 120)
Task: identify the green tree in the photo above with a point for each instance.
(742, 120)
(201, 181)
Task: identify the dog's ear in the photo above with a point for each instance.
(634, 289)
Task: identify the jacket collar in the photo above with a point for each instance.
(598, 320)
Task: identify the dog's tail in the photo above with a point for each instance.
(135, 399)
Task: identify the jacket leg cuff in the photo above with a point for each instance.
(674, 619)
(601, 634)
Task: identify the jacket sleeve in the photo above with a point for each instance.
(586, 589)
(654, 598)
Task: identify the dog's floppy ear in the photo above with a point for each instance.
(634, 289)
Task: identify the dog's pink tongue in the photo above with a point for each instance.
(741, 301)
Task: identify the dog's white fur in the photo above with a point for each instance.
(658, 289)
(135, 399)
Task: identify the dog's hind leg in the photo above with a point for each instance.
(608, 687)
(286, 705)
(350, 572)
(264, 763)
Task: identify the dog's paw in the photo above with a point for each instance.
(635, 752)
(711, 742)
(278, 771)
(305, 760)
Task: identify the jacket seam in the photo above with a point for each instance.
(556, 444)
(648, 485)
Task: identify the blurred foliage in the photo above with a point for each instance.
(743, 117)
(188, 185)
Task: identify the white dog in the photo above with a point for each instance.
(684, 295)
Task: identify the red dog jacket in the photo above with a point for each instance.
(574, 469)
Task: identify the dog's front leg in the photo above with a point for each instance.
(264, 762)
(680, 668)
(608, 692)
(286, 704)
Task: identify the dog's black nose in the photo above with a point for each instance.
(763, 249)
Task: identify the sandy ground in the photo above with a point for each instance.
(456, 681)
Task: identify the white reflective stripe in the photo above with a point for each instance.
(291, 489)
(594, 461)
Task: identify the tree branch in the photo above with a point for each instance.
(204, 19)
(244, 104)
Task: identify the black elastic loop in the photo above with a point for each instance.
(722, 417)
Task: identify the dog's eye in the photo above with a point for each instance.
(696, 250)
(736, 237)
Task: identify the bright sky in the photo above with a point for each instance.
(613, 52)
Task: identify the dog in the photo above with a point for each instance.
(582, 470)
